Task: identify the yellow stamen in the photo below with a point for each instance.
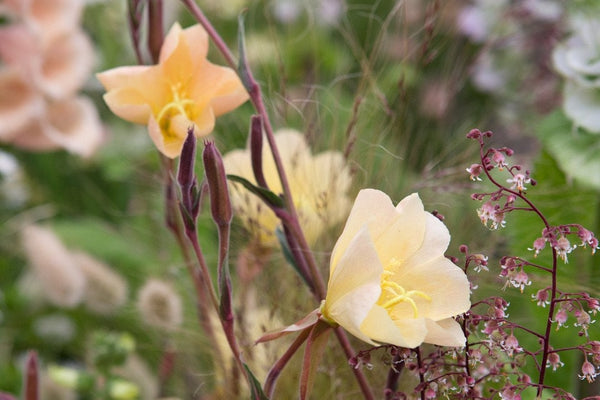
(400, 295)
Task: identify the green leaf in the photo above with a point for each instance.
(576, 151)
(265, 194)
(256, 389)
(287, 253)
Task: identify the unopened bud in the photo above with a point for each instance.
(220, 204)
(256, 144)
(32, 376)
(185, 174)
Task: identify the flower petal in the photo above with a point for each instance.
(354, 287)
(446, 332)
(19, 103)
(67, 63)
(445, 283)
(370, 205)
(399, 238)
(133, 93)
(195, 36)
(405, 333)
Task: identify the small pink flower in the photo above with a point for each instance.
(554, 361)
(475, 170)
(563, 247)
(490, 212)
(588, 371)
(511, 345)
(561, 318)
(519, 181)
(498, 159)
(541, 297)
(520, 280)
(538, 245)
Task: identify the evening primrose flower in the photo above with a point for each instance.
(184, 89)
(389, 281)
(318, 184)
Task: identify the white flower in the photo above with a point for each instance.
(578, 60)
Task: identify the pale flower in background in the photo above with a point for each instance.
(319, 185)
(578, 60)
(48, 17)
(62, 281)
(184, 89)
(389, 281)
(105, 290)
(46, 59)
(160, 305)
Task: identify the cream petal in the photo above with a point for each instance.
(435, 241)
(356, 278)
(370, 207)
(404, 333)
(74, 125)
(19, 103)
(446, 332)
(445, 283)
(67, 63)
(400, 238)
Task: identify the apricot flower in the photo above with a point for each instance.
(389, 281)
(318, 184)
(184, 89)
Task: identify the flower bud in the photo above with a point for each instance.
(256, 144)
(220, 204)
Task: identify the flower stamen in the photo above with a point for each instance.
(400, 295)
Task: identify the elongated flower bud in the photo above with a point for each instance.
(256, 144)
(31, 377)
(220, 204)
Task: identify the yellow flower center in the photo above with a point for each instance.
(394, 294)
(179, 104)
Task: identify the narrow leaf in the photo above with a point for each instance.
(309, 320)
(266, 195)
(257, 392)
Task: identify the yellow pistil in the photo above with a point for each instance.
(400, 295)
(179, 105)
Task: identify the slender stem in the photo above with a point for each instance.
(420, 370)
(276, 369)
(548, 325)
(391, 383)
(193, 238)
(360, 377)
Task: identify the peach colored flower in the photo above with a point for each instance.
(57, 67)
(184, 89)
(319, 185)
(50, 17)
(389, 281)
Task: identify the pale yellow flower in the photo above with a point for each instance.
(318, 183)
(184, 89)
(389, 281)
